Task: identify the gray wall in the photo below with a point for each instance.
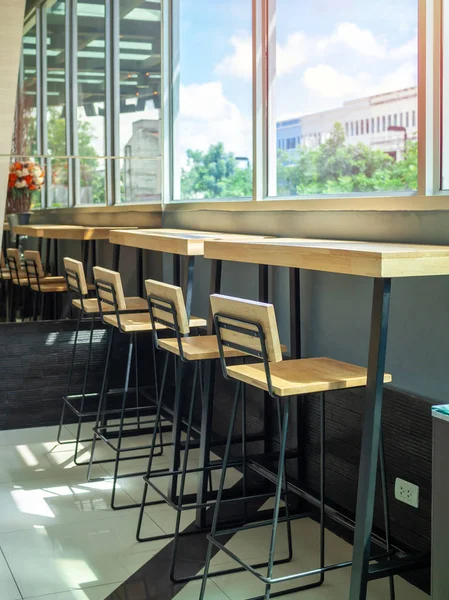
(336, 308)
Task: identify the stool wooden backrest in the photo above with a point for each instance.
(33, 264)
(75, 276)
(167, 306)
(2, 260)
(239, 322)
(109, 288)
(15, 265)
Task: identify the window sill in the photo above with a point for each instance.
(367, 204)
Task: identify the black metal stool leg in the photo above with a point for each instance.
(383, 476)
(83, 397)
(69, 380)
(101, 402)
(220, 491)
(277, 503)
(122, 419)
(157, 425)
(183, 475)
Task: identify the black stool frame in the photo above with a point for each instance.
(100, 431)
(178, 502)
(254, 329)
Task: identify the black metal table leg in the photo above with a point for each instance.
(207, 407)
(370, 440)
(85, 254)
(139, 252)
(187, 282)
(94, 252)
(39, 245)
(56, 256)
(47, 255)
(176, 269)
(116, 257)
(299, 405)
(267, 401)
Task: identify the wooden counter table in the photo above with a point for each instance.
(179, 243)
(87, 235)
(382, 262)
(188, 244)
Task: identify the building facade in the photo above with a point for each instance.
(383, 122)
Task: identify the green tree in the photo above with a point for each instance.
(335, 167)
(214, 174)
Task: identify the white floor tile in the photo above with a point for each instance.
(8, 587)
(46, 560)
(94, 593)
(192, 591)
(43, 503)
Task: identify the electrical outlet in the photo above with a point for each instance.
(407, 492)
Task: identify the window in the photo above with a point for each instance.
(407, 120)
(401, 120)
(384, 126)
(352, 128)
(139, 90)
(90, 140)
(414, 118)
(24, 143)
(57, 187)
(346, 129)
(323, 71)
(395, 119)
(378, 124)
(212, 136)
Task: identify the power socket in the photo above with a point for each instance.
(406, 492)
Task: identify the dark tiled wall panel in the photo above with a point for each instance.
(35, 359)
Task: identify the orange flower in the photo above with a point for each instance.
(32, 187)
(12, 180)
(29, 180)
(18, 166)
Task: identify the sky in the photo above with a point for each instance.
(327, 52)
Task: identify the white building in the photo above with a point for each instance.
(143, 176)
(366, 120)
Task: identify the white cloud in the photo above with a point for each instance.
(404, 76)
(239, 63)
(289, 56)
(208, 117)
(327, 82)
(405, 51)
(362, 41)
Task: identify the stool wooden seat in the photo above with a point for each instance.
(251, 327)
(200, 347)
(131, 323)
(50, 287)
(303, 376)
(90, 305)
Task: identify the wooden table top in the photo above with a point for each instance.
(6, 226)
(65, 232)
(174, 241)
(368, 259)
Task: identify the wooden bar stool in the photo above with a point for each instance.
(41, 283)
(5, 283)
(88, 310)
(114, 312)
(251, 328)
(20, 282)
(167, 309)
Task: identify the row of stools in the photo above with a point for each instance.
(246, 343)
(25, 286)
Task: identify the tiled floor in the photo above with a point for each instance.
(59, 540)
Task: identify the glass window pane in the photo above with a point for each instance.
(57, 168)
(338, 63)
(445, 99)
(140, 101)
(213, 100)
(91, 101)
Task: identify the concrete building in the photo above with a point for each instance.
(366, 120)
(142, 177)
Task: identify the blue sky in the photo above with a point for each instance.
(327, 52)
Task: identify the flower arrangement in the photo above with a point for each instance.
(25, 178)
